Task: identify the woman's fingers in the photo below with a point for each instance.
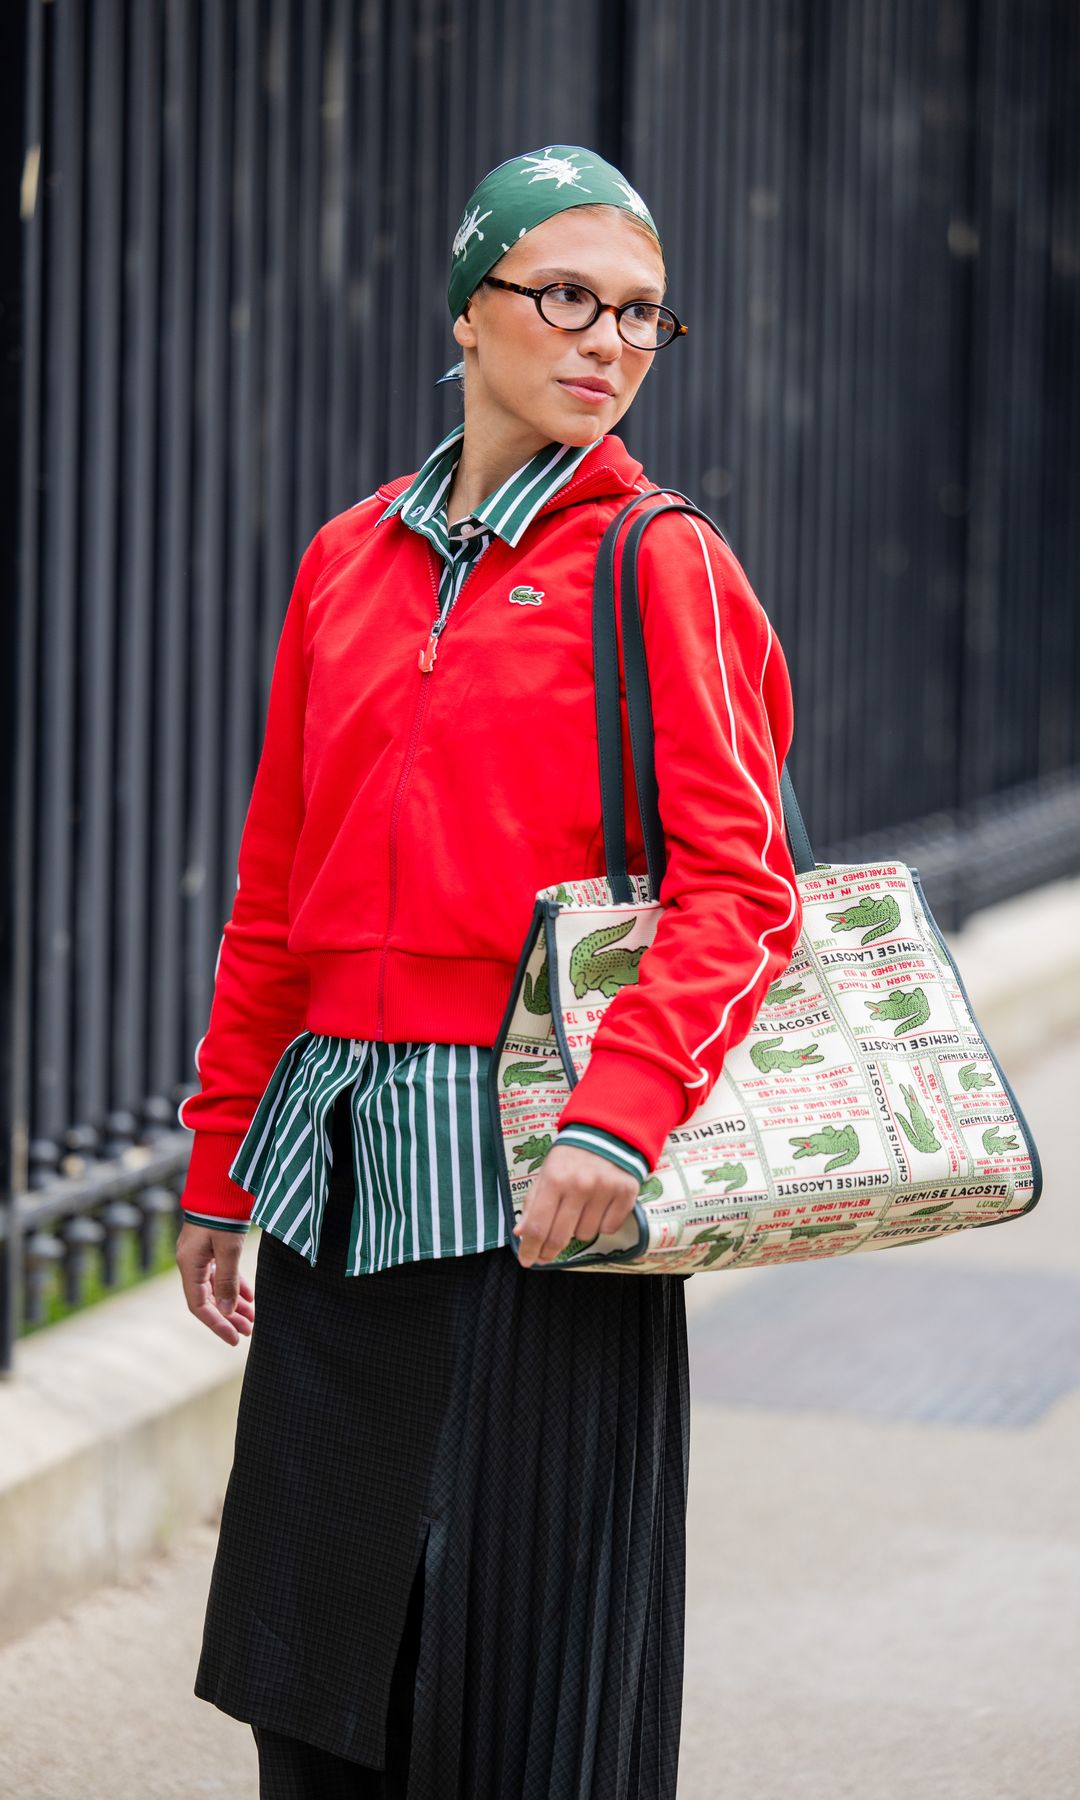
(221, 1327)
(569, 1222)
(535, 1226)
(215, 1291)
(574, 1191)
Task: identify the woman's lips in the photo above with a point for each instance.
(593, 395)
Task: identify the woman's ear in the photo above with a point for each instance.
(464, 329)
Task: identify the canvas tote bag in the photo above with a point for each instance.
(865, 1107)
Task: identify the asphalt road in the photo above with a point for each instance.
(884, 1560)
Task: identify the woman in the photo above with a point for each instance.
(452, 1549)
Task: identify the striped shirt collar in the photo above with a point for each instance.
(508, 512)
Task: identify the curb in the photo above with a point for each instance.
(116, 1435)
(117, 1428)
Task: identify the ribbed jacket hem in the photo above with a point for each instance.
(401, 997)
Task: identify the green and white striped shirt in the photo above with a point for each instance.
(423, 1168)
(422, 1138)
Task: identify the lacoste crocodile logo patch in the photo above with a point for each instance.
(526, 596)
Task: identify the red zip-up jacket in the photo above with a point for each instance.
(401, 822)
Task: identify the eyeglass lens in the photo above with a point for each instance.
(644, 324)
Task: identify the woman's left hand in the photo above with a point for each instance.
(575, 1194)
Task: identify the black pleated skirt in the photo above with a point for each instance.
(517, 1440)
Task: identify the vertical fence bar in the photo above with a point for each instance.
(796, 401)
(309, 469)
(209, 614)
(372, 301)
(1058, 522)
(175, 1006)
(427, 216)
(95, 698)
(23, 64)
(56, 740)
(394, 274)
(141, 569)
(884, 601)
(450, 130)
(341, 131)
(239, 593)
(279, 532)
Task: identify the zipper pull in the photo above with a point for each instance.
(427, 654)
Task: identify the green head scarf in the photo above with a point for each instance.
(521, 193)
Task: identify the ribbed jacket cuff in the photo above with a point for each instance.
(605, 1143)
(240, 1226)
(629, 1096)
(210, 1194)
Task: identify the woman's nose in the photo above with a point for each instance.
(603, 333)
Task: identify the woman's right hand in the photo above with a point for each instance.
(215, 1290)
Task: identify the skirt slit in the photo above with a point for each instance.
(487, 1464)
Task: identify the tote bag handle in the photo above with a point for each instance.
(639, 707)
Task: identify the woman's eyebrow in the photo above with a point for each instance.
(647, 291)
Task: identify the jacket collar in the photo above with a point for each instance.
(508, 511)
(605, 470)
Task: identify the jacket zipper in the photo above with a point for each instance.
(426, 662)
(421, 707)
(427, 655)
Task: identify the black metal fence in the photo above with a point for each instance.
(223, 316)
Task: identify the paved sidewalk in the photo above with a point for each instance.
(878, 1608)
(885, 1585)
(97, 1703)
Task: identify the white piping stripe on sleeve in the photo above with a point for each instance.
(180, 1119)
(761, 696)
(705, 1077)
(217, 964)
(764, 666)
